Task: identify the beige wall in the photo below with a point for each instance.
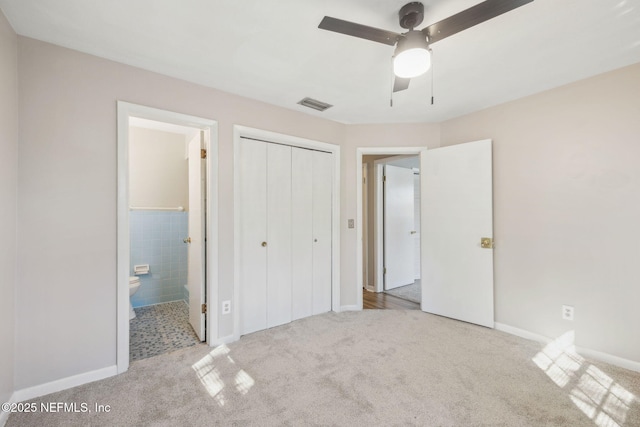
(158, 169)
(68, 197)
(567, 209)
(8, 202)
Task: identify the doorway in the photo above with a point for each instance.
(457, 235)
(391, 230)
(167, 229)
(166, 218)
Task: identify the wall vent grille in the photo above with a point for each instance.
(314, 103)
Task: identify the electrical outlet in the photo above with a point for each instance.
(567, 312)
(351, 223)
(226, 307)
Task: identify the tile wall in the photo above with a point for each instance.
(157, 240)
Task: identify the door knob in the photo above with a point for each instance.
(486, 242)
(264, 244)
(187, 240)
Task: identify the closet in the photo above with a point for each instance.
(285, 233)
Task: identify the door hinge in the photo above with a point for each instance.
(385, 270)
(203, 153)
(384, 178)
(204, 308)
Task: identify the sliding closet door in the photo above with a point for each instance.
(278, 234)
(322, 184)
(301, 225)
(253, 235)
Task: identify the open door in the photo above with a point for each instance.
(196, 251)
(399, 247)
(457, 214)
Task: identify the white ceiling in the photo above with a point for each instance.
(272, 50)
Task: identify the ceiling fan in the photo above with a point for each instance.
(412, 56)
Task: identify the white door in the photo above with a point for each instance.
(285, 233)
(322, 185)
(398, 226)
(252, 164)
(278, 234)
(311, 232)
(196, 248)
(457, 273)
(302, 227)
(416, 224)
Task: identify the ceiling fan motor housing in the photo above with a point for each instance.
(411, 15)
(412, 40)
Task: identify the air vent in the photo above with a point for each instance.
(315, 104)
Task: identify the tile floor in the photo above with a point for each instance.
(159, 329)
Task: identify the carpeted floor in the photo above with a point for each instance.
(159, 329)
(411, 292)
(369, 368)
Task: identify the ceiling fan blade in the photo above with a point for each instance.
(400, 84)
(357, 30)
(468, 18)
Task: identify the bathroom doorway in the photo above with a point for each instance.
(166, 224)
(166, 231)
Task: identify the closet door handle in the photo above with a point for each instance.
(264, 244)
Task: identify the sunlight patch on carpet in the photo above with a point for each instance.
(594, 392)
(209, 375)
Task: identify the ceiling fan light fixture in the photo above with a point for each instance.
(412, 57)
(411, 63)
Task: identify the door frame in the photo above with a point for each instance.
(293, 141)
(360, 152)
(125, 110)
(365, 226)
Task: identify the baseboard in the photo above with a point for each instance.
(64, 383)
(586, 352)
(609, 358)
(350, 308)
(224, 340)
(521, 333)
(4, 416)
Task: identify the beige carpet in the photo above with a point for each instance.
(376, 367)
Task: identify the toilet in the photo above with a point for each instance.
(134, 284)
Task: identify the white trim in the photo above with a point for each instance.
(63, 384)
(365, 236)
(586, 352)
(378, 226)
(521, 333)
(609, 358)
(4, 416)
(294, 141)
(361, 151)
(351, 308)
(225, 340)
(210, 127)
